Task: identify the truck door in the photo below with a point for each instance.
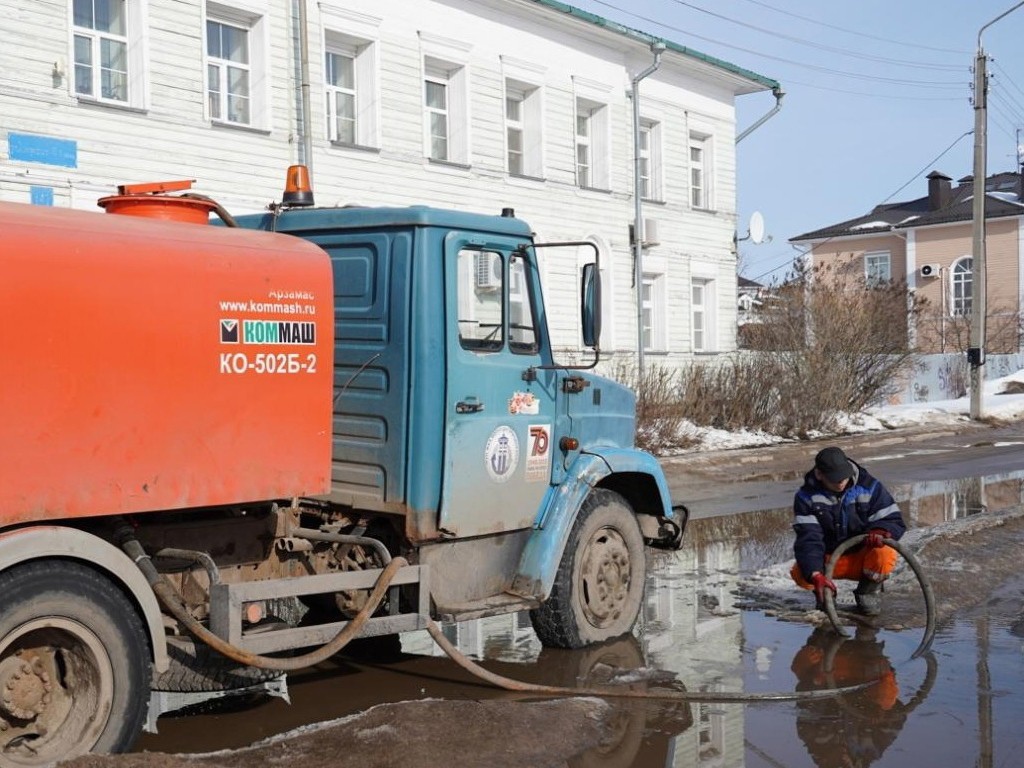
(499, 426)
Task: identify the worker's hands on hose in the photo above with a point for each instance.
(821, 582)
(876, 538)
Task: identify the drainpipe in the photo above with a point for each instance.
(657, 48)
(778, 93)
(305, 132)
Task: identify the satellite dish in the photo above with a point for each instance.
(755, 230)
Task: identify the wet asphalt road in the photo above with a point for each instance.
(961, 706)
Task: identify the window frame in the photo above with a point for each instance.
(961, 280)
(355, 34)
(254, 24)
(878, 257)
(596, 141)
(447, 61)
(652, 311)
(651, 155)
(703, 144)
(515, 125)
(334, 54)
(431, 78)
(530, 94)
(134, 40)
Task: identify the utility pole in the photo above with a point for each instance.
(976, 352)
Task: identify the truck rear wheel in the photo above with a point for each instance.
(599, 585)
(74, 664)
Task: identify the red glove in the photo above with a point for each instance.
(876, 538)
(821, 582)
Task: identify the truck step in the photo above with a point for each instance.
(494, 605)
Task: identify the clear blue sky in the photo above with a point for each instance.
(875, 91)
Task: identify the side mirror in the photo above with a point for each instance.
(590, 308)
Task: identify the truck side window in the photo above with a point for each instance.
(481, 282)
(522, 331)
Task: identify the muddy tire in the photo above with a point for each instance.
(598, 589)
(198, 668)
(74, 664)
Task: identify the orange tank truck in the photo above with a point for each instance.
(156, 365)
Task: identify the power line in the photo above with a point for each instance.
(910, 181)
(930, 163)
(901, 43)
(948, 85)
(899, 96)
(1007, 77)
(820, 46)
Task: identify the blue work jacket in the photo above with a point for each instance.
(823, 519)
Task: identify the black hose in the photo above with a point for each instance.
(922, 580)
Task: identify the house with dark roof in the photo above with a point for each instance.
(927, 242)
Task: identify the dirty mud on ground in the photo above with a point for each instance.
(719, 616)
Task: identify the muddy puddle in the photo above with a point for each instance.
(961, 705)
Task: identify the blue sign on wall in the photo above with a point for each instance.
(42, 195)
(43, 149)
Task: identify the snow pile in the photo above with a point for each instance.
(996, 405)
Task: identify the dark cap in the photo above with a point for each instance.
(833, 464)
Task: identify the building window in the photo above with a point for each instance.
(877, 268)
(445, 111)
(514, 107)
(523, 129)
(591, 144)
(699, 311)
(340, 77)
(650, 161)
(101, 49)
(962, 287)
(350, 78)
(228, 72)
(703, 313)
(583, 151)
(644, 161)
(435, 101)
(652, 312)
(700, 190)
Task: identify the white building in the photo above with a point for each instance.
(469, 104)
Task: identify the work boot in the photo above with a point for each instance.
(868, 595)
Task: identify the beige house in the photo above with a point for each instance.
(927, 242)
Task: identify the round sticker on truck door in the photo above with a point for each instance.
(501, 456)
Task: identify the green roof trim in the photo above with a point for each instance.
(636, 34)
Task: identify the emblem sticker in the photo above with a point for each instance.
(538, 458)
(501, 456)
(523, 402)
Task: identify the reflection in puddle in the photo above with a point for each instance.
(962, 707)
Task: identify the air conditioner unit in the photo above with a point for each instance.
(488, 272)
(651, 232)
(930, 270)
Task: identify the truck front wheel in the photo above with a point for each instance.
(74, 664)
(598, 589)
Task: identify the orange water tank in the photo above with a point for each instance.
(154, 364)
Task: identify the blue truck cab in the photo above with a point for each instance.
(458, 437)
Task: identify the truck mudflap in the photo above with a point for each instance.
(543, 552)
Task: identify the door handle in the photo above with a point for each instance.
(464, 407)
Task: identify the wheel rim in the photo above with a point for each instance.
(56, 691)
(605, 577)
